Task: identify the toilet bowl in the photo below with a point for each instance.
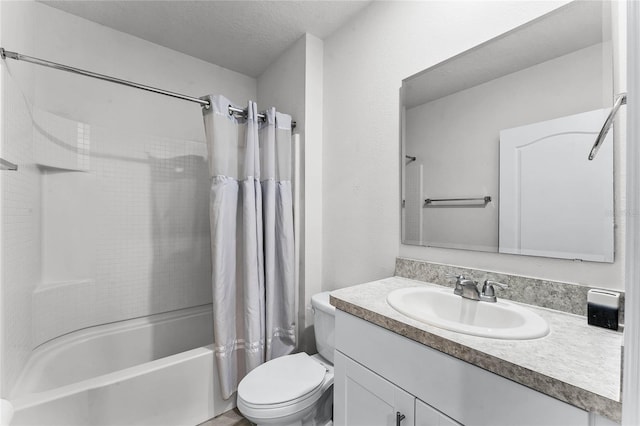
(294, 390)
(291, 390)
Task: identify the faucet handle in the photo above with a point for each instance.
(457, 277)
(488, 290)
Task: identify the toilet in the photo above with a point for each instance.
(295, 390)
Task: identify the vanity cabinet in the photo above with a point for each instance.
(379, 373)
(367, 399)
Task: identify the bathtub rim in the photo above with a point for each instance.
(51, 347)
(29, 400)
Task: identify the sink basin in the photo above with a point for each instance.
(441, 308)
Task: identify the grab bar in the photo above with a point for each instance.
(620, 100)
(486, 199)
(7, 165)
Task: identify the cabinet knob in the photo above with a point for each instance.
(399, 417)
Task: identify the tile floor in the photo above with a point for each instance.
(230, 418)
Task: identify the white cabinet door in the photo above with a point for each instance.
(429, 416)
(362, 398)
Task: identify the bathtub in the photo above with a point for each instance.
(158, 370)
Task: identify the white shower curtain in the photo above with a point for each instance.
(277, 210)
(251, 238)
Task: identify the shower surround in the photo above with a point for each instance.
(106, 219)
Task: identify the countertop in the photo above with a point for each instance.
(575, 363)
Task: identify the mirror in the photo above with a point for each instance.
(494, 142)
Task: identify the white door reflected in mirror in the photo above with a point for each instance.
(554, 202)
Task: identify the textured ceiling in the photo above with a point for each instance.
(244, 36)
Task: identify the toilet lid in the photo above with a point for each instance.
(282, 379)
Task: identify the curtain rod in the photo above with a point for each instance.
(4, 54)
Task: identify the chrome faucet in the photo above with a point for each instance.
(488, 292)
(468, 289)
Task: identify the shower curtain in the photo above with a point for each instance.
(252, 241)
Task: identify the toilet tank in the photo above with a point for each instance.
(324, 324)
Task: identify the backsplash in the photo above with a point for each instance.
(561, 296)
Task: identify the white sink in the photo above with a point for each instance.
(441, 308)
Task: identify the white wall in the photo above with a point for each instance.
(132, 163)
(313, 169)
(364, 64)
(293, 84)
(20, 235)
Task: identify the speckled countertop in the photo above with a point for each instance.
(575, 362)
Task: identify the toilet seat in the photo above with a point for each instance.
(281, 380)
(283, 386)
